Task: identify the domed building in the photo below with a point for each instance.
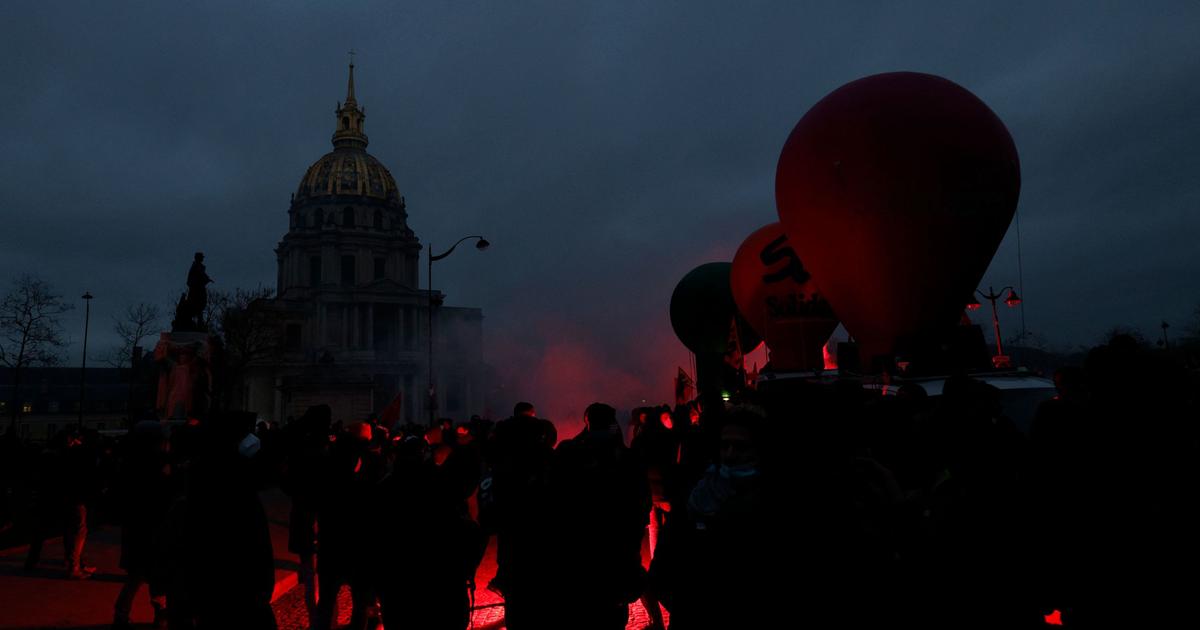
(354, 320)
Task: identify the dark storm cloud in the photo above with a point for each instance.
(605, 149)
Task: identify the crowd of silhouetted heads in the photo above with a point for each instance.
(827, 505)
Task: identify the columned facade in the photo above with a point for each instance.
(353, 316)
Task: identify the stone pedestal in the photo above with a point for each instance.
(185, 375)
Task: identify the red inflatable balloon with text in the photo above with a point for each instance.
(779, 298)
(898, 188)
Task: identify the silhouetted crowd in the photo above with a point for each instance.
(818, 505)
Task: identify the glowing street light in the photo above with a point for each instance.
(1000, 360)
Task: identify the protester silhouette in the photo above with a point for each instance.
(144, 494)
(598, 505)
(66, 482)
(423, 584)
(225, 546)
(306, 442)
(347, 490)
(518, 456)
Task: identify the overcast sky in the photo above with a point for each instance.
(604, 148)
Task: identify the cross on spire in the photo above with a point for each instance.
(350, 83)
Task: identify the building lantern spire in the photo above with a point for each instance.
(348, 134)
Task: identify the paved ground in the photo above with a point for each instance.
(44, 599)
(487, 615)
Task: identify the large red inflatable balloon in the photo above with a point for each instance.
(702, 311)
(898, 189)
(779, 298)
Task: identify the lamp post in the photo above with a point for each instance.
(991, 296)
(87, 317)
(481, 245)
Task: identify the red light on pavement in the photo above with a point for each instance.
(1054, 618)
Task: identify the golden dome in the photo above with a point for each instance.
(348, 170)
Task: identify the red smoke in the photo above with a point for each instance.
(562, 368)
(561, 364)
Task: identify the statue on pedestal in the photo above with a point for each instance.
(185, 354)
(189, 311)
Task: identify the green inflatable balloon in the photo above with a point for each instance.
(702, 308)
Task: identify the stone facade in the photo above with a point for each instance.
(354, 320)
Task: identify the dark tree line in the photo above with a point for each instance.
(30, 333)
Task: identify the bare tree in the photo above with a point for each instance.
(1125, 331)
(30, 334)
(1028, 339)
(249, 329)
(138, 322)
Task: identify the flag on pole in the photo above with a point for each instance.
(391, 413)
(683, 388)
(733, 351)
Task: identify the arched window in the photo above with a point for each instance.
(348, 217)
(345, 122)
(378, 219)
(318, 218)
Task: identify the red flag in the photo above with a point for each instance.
(683, 388)
(391, 413)
(733, 352)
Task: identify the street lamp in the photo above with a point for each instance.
(1000, 360)
(87, 317)
(481, 245)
